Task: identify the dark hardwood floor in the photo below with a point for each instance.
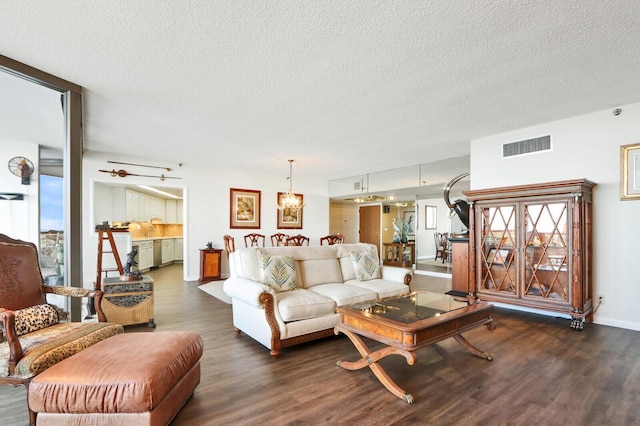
(543, 373)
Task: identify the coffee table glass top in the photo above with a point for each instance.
(411, 307)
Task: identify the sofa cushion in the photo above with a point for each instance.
(366, 266)
(384, 288)
(345, 294)
(344, 255)
(246, 264)
(320, 271)
(302, 304)
(278, 272)
(35, 318)
(48, 346)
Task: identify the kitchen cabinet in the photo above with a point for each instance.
(145, 255)
(136, 206)
(179, 248)
(156, 208)
(170, 211)
(531, 246)
(168, 250)
(210, 264)
(141, 207)
(179, 206)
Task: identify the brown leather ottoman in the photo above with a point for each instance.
(128, 379)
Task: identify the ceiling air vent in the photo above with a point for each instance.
(528, 146)
(357, 186)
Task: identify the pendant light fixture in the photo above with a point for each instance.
(289, 200)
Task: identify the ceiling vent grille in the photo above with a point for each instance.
(357, 186)
(528, 146)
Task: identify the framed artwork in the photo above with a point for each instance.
(245, 209)
(410, 222)
(430, 217)
(630, 172)
(290, 218)
(498, 256)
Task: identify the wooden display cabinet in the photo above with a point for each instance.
(210, 264)
(531, 246)
(399, 254)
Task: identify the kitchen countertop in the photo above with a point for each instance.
(153, 238)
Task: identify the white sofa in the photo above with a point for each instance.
(325, 278)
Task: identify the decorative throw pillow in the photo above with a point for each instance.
(35, 318)
(278, 272)
(366, 266)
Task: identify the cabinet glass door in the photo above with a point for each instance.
(546, 251)
(498, 236)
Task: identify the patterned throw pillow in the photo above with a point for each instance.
(366, 266)
(35, 318)
(278, 272)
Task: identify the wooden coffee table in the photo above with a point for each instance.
(407, 323)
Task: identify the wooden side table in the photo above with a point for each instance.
(210, 264)
(399, 254)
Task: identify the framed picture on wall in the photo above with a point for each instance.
(290, 218)
(430, 217)
(630, 172)
(408, 218)
(245, 209)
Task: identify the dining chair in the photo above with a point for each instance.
(229, 244)
(442, 243)
(254, 240)
(297, 240)
(332, 239)
(278, 239)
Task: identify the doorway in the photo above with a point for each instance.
(370, 225)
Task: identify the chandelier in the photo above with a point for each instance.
(289, 200)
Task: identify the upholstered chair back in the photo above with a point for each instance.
(20, 275)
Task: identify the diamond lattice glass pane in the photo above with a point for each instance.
(498, 242)
(546, 250)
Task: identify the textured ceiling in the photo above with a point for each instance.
(343, 87)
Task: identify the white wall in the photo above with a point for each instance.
(345, 219)
(20, 219)
(206, 205)
(587, 146)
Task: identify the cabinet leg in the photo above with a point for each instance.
(577, 323)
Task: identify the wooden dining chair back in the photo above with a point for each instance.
(442, 242)
(229, 244)
(297, 240)
(279, 239)
(332, 239)
(254, 240)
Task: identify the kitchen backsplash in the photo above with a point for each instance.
(147, 230)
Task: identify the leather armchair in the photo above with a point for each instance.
(32, 335)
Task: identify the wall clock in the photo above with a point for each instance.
(21, 167)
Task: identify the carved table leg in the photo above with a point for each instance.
(371, 359)
(469, 347)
